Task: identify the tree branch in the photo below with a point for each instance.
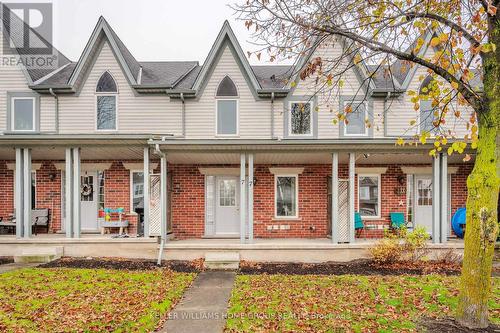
(445, 21)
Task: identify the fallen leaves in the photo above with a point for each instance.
(83, 300)
(350, 303)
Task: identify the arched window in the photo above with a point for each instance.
(427, 116)
(227, 108)
(227, 88)
(106, 94)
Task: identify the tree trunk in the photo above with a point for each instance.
(483, 185)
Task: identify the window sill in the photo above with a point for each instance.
(286, 219)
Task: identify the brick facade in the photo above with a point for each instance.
(188, 203)
(187, 193)
(48, 191)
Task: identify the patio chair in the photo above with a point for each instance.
(359, 224)
(9, 223)
(40, 218)
(397, 220)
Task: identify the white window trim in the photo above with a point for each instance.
(13, 114)
(131, 192)
(290, 118)
(97, 95)
(296, 216)
(364, 119)
(379, 187)
(107, 94)
(237, 117)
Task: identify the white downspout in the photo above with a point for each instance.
(162, 234)
(272, 115)
(51, 91)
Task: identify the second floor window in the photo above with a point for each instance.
(227, 108)
(106, 103)
(23, 113)
(300, 118)
(355, 119)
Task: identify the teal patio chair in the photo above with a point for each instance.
(397, 220)
(359, 224)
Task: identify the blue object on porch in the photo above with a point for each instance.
(358, 221)
(397, 220)
(458, 222)
(114, 211)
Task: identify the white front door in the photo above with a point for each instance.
(88, 198)
(227, 206)
(423, 202)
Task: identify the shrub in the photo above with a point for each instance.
(387, 250)
(402, 245)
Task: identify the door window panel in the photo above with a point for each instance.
(227, 193)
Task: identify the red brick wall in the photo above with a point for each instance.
(117, 192)
(458, 184)
(48, 193)
(188, 202)
(7, 190)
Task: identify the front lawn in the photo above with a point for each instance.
(322, 303)
(85, 300)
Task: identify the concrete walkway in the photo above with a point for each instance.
(204, 305)
(12, 267)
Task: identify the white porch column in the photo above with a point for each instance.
(436, 198)
(335, 197)
(69, 189)
(242, 197)
(250, 198)
(352, 180)
(76, 194)
(163, 196)
(19, 195)
(146, 192)
(444, 197)
(27, 192)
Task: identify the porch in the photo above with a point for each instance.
(271, 249)
(246, 192)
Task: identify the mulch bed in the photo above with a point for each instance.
(449, 325)
(357, 267)
(126, 264)
(6, 260)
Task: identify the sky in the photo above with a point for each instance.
(151, 29)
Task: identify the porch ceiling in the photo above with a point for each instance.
(177, 157)
(87, 153)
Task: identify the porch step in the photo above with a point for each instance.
(222, 260)
(39, 254)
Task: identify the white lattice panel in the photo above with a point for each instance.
(210, 205)
(343, 226)
(154, 206)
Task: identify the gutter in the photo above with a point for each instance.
(51, 91)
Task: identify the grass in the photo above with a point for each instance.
(97, 300)
(316, 303)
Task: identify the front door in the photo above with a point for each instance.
(227, 206)
(423, 202)
(88, 198)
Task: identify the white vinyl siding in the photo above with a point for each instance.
(138, 114)
(254, 114)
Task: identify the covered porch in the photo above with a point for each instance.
(308, 190)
